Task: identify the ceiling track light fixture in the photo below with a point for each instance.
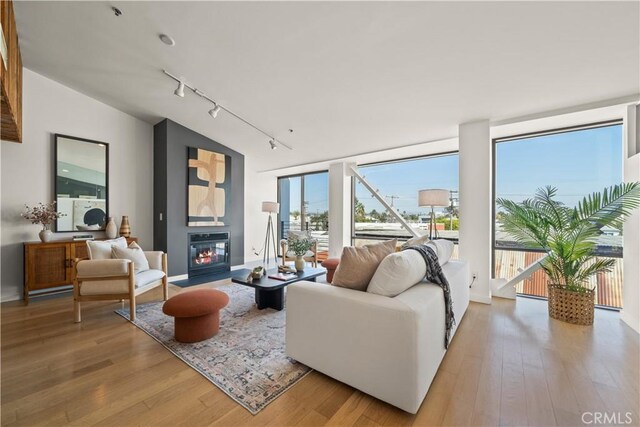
(214, 111)
(273, 142)
(180, 90)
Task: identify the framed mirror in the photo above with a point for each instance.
(81, 183)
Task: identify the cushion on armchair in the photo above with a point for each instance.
(133, 253)
(103, 268)
(101, 249)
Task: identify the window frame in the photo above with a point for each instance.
(528, 135)
(386, 162)
(278, 195)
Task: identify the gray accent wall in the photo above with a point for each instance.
(170, 143)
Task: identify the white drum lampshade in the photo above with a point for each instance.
(271, 207)
(433, 197)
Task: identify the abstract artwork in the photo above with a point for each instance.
(209, 183)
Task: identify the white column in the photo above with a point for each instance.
(475, 204)
(631, 267)
(339, 208)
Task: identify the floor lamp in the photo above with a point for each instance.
(270, 238)
(433, 197)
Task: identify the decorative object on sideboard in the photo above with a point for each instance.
(43, 214)
(111, 229)
(209, 187)
(125, 229)
(431, 198)
(568, 236)
(270, 238)
(299, 246)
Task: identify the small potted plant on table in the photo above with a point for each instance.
(569, 238)
(299, 246)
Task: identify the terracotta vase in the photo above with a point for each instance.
(111, 229)
(299, 262)
(125, 229)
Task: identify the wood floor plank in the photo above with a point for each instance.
(509, 364)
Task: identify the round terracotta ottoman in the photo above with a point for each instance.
(197, 313)
(330, 264)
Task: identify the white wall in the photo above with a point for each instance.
(340, 198)
(631, 267)
(258, 187)
(27, 168)
(475, 204)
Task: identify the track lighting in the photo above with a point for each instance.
(180, 91)
(273, 142)
(214, 111)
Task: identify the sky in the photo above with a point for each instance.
(577, 163)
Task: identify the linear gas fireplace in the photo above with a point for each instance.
(208, 253)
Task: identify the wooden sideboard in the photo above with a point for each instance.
(48, 266)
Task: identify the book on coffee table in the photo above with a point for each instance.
(282, 276)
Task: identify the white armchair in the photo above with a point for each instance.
(115, 279)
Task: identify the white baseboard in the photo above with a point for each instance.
(10, 297)
(634, 323)
(484, 299)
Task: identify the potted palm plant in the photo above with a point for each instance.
(569, 238)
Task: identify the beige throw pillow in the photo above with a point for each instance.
(358, 265)
(133, 253)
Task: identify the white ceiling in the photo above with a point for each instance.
(348, 77)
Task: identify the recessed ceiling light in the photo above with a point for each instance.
(168, 40)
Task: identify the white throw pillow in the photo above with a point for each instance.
(420, 240)
(398, 272)
(133, 253)
(101, 249)
(443, 248)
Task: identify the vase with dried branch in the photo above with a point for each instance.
(43, 214)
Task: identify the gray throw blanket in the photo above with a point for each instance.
(435, 275)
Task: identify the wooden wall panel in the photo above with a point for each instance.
(11, 77)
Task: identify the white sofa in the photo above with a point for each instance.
(389, 348)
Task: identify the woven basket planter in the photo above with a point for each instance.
(571, 307)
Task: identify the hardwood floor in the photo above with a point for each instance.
(509, 364)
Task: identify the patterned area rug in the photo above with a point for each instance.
(246, 359)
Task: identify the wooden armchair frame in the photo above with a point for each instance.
(130, 295)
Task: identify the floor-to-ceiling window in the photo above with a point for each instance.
(399, 182)
(577, 161)
(304, 205)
